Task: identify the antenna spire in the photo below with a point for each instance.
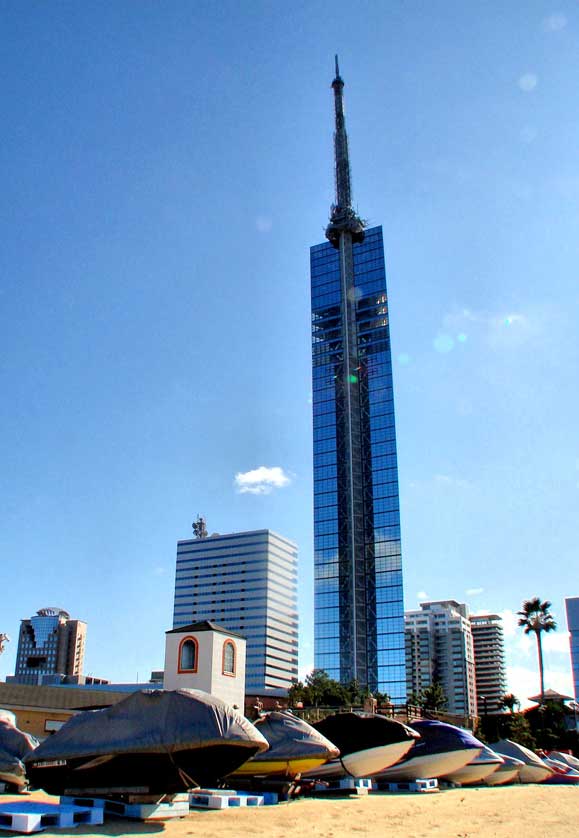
(342, 216)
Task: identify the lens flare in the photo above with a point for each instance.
(443, 343)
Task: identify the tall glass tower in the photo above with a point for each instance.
(572, 607)
(359, 611)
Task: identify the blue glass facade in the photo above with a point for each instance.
(572, 606)
(359, 611)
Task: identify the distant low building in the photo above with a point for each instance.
(50, 648)
(41, 710)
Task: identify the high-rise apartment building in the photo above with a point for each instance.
(489, 662)
(439, 648)
(50, 646)
(359, 611)
(247, 583)
(572, 608)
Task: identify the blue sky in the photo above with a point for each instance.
(165, 169)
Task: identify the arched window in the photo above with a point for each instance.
(229, 657)
(188, 655)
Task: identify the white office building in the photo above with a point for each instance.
(247, 583)
(439, 647)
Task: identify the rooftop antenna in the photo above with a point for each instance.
(199, 528)
(343, 218)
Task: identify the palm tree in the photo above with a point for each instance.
(510, 701)
(536, 617)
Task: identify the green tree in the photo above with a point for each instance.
(383, 699)
(317, 684)
(509, 702)
(354, 692)
(519, 730)
(296, 693)
(535, 617)
(433, 697)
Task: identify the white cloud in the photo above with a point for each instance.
(510, 622)
(556, 642)
(524, 681)
(421, 595)
(474, 591)
(261, 481)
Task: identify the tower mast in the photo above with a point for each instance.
(342, 216)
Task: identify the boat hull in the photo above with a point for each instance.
(508, 774)
(534, 774)
(140, 773)
(472, 774)
(428, 766)
(364, 763)
(18, 780)
(278, 767)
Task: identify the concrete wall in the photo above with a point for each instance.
(209, 675)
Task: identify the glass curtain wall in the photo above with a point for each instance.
(382, 609)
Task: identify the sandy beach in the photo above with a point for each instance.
(510, 812)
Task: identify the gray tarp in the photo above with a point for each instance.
(290, 737)
(513, 749)
(7, 716)
(14, 746)
(153, 721)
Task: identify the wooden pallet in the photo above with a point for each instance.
(415, 786)
(31, 816)
(137, 807)
(347, 785)
(222, 799)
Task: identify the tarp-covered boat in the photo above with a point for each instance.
(7, 716)
(14, 746)
(441, 749)
(483, 765)
(508, 772)
(368, 743)
(533, 770)
(294, 746)
(568, 759)
(562, 772)
(152, 741)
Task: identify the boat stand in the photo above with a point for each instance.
(140, 807)
(222, 799)
(29, 816)
(414, 786)
(347, 785)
